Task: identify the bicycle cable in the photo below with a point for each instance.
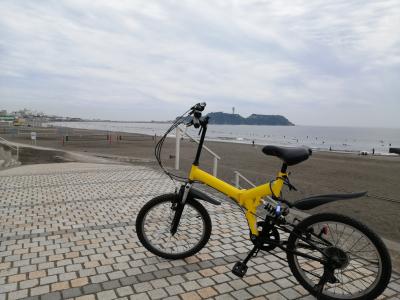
(159, 145)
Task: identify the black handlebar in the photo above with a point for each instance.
(196, 112)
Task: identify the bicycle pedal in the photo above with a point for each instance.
(239, 269)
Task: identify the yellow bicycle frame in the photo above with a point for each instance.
(249, 199)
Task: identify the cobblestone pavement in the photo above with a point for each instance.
(67, 231)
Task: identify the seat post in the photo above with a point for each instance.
(284, 168)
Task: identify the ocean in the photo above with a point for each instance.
(346, 139)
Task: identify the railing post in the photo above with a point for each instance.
(177, 147)
(17, 153)
(237, 179)
(215, 166)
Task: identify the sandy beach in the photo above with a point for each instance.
(324, 172)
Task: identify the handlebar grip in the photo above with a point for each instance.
(199, 106)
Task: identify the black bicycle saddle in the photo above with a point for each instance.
(289, 155)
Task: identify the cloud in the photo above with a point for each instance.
(308, 60)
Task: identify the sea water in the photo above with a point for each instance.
(349, 139)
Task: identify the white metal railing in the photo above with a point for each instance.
(180, 131)
(238, 175)
(11, 145)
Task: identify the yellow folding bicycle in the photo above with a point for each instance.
(331, 255)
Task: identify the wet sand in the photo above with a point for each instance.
(322, 173)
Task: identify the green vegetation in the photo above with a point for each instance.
(254, 119)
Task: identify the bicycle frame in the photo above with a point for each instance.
(249, 199)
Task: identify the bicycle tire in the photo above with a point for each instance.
(385, 271)
(169, 199)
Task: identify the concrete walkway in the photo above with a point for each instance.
(67, 231)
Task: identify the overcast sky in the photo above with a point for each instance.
(315, 62)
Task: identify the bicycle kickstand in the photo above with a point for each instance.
(240, 268)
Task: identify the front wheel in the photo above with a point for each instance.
(153, 227)
(356, 264)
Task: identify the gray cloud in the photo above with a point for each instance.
(316, 62)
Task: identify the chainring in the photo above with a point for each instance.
(273, 236)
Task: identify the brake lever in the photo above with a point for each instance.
(201, 128)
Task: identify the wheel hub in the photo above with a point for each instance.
(337, 258)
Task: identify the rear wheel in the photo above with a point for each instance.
(357, 264)
(153, 227)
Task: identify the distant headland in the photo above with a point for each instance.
(254, 119)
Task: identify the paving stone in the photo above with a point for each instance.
(177, 270)
(207, 292)
(270, 287)
(276, 296)
(145, 277)
(32, 298)
(124, 291)
(220, 278)
(141, 296)
(98, 278)
(284, 283)
(162, 273)
(40, 290)
(87, 272)
(205, 264)
(67, 276)
(172, 298)
(142, 287)
(130, 280)
(241, 295)
(205, 282)
(192, 276)
(79, 281)
(159, 283)
(71, 293)
(192, 267)
(278, 274)
(104, 269)
(17, 294)
(37, 274)
(238, 284)
(86, 297)
(92, 288)
(107, 295)
(16, 278)
(157, 294)
(48, 279)
(190, 285)
(190, 296)
(51, 296)
(133, 271)
(290, 293)
(28, 283)
(223, 288)
(224, 297)
(175, 279)
(264, 277)
(174, 290)
(112, 284)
